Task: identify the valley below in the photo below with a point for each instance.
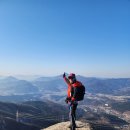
(39, 103)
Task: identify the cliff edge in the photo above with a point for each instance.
(65, 126)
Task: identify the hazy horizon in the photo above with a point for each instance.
(42, 75)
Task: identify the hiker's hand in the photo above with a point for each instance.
(72, 99)
(67, 100)
(64, 75)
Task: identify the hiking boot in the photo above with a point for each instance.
(70, 125)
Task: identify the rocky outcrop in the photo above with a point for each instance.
(65, 126)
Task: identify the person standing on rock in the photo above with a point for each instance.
(75, 92)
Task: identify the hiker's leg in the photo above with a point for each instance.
(70, 112)
(74, 110)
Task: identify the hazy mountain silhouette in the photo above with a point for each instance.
(93, 85)
(11, 85)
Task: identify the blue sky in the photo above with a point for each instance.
(48, 37)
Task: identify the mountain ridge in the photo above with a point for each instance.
(12, 85)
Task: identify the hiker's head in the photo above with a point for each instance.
(72, 78)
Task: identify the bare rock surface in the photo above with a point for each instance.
(65, 126)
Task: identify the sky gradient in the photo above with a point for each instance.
(49, 37)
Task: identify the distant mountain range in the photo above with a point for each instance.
(107, 86)
(13, 86)
(35, 111)
(52, 85)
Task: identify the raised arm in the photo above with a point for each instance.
(66, 80)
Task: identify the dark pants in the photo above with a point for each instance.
(72, 114)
